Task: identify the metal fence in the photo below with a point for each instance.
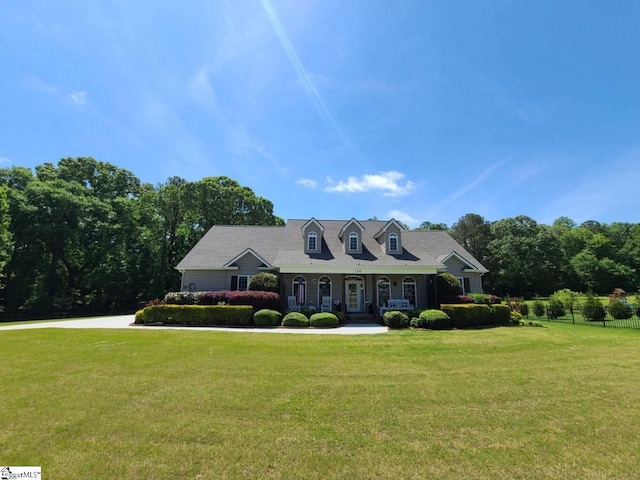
(576, 317)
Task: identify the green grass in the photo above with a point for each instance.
(503, 403)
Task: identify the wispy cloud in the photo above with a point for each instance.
(4, 161)
(79, 98)
(465, 188)
(387, 182)
(307, 182)
(304, 77)
(403, 217)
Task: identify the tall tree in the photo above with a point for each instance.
(473, 232)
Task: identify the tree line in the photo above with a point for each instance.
(85, 236)
(528, 258)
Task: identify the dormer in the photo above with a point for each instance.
(351, 236)
(390, 237)
(312, 232)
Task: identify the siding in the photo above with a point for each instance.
(205, 280)
(456, 267)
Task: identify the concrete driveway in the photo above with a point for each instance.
(126, 322)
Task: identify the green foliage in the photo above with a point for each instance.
(432, 319)
(620, 310)
(195, 315)
(538, 308)
(264, 282)
(267, 318)
(395, 319)
(91, 238)
(568, 298)
(481, 298)
(501, 315)
(323, 319)
(447, 285)
(295, 319)
(516, 318)
(556, 308)
(469, 315)
(592, 309)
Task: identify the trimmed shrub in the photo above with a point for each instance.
(502, 315)
(395, 319)
(457, 299)
(264, 282)
(267, 318)
(323, 319)
(465, 316)
(480, 298)
(258, 300)
(516, 318)
(448, 285)
(592, 309)
(620, 310)
(432, 319)
(538, 308)
(197, 315)
(295, 319)
(555, 308)
(139, 317)
(180, 298)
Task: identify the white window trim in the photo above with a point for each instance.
(248, 277)
(410, 281)
(313, 235)
(330, 287)
(353, 235)
(395, 237)
(461, 280)
(379, 282)
(293, 289)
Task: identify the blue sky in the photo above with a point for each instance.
(418, 110)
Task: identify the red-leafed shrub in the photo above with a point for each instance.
(258, 300)
(457, 299)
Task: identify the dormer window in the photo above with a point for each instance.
(312, 241)
(393, 242)
(353, 241)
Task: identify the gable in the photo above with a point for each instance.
(248, 257)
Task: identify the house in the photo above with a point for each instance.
(359, 266)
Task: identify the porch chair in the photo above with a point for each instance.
(292, 305)
(327, 304)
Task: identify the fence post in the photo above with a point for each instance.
(604, 319)
(573, 318)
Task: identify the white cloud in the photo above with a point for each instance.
(387, 182)
(307, 182)
(403, 217)
(79, 98)
(4, 161)
(200, 90)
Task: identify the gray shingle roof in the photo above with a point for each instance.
(223, 243)
(284, 246)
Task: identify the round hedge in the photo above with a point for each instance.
(432, 319)
(267, 318)
(295, 319)
(324, 319)
(396, 319)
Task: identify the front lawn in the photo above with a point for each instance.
(501, 403)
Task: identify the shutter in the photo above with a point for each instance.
(234, 282)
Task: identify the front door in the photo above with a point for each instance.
(354, 293)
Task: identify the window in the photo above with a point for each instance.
(240, 282)
(393, 242)
(300, 290)
(312, 241)
(353, 241)
(409, 290)
(384, 287)
(324, 287)
(465, 283)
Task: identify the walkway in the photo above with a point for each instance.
(126, 321)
